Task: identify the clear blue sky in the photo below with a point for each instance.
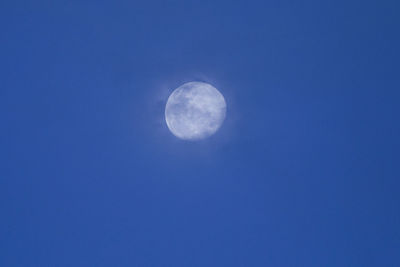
(304, 171)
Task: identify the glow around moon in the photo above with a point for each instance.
(195, 110)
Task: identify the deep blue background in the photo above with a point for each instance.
(304, 171)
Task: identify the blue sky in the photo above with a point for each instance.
(303, 172)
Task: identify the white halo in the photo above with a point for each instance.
(195, 110)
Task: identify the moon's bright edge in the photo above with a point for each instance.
(195, 110)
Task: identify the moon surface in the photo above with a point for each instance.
(195, 110)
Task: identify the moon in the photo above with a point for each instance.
(195, 110)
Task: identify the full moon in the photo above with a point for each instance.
(195, 110)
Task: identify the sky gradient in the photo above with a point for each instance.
(303, 172)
